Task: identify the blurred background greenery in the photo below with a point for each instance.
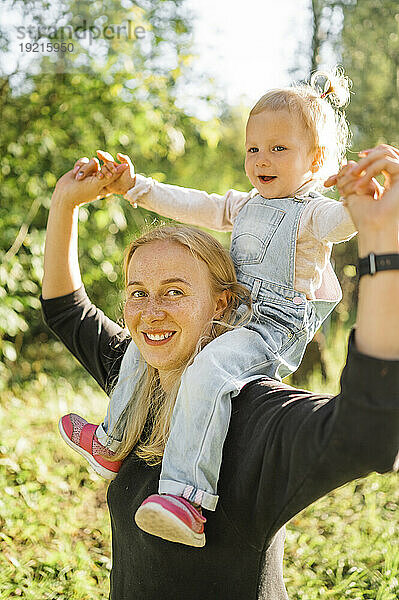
(122, 95)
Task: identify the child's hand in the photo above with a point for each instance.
(371, 209)
(349, 181)
(127, 179)
(84, 168)
(84, 189)
(121, 184)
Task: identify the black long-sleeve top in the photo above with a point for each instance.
(285, 448)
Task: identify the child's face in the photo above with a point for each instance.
(278, 159)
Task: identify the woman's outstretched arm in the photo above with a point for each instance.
(377, 221)
(61, 265)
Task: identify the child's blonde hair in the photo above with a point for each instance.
(318, 108)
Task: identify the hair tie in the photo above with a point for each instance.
(329, 90)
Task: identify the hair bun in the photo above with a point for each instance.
(336, 86)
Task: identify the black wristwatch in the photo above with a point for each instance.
(371, 264)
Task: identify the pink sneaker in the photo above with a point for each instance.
(172, 518)
(81, 437)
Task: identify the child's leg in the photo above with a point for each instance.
(110, 431)
(98, 444)
(201, 416)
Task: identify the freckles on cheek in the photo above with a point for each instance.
(126, 311)
(130, 313)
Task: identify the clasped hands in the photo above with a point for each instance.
(87, 181)
(372, 207)
(120, 174)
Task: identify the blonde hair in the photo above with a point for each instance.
(318, 108)
(146, 419)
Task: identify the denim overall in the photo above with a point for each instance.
(273, 343)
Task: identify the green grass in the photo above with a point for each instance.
(54, 525)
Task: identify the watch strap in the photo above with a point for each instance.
(372, 263)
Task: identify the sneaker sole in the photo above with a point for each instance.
(156, 520)
(99, 469)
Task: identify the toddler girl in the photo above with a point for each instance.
(282, 236)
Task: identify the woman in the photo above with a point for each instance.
(285, 447)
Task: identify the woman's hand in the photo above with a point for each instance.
(373, 209)
(370, 188)
(91, 187)
(123, 184)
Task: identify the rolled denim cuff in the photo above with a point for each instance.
(107, 440)
(206, 500)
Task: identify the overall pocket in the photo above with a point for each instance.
(256, 227)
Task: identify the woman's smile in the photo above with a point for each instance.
(157, 338)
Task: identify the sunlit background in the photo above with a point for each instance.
(249, 49)
(173, 92)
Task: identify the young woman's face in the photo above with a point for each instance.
(278, 160)
(169, 303)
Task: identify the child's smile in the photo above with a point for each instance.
(278, 153)
(266, 178)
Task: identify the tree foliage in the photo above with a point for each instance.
(363, 35)
(370, 52)
(120, 95)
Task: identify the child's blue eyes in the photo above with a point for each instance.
(274, 149)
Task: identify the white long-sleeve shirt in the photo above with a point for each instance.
(324, 222)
